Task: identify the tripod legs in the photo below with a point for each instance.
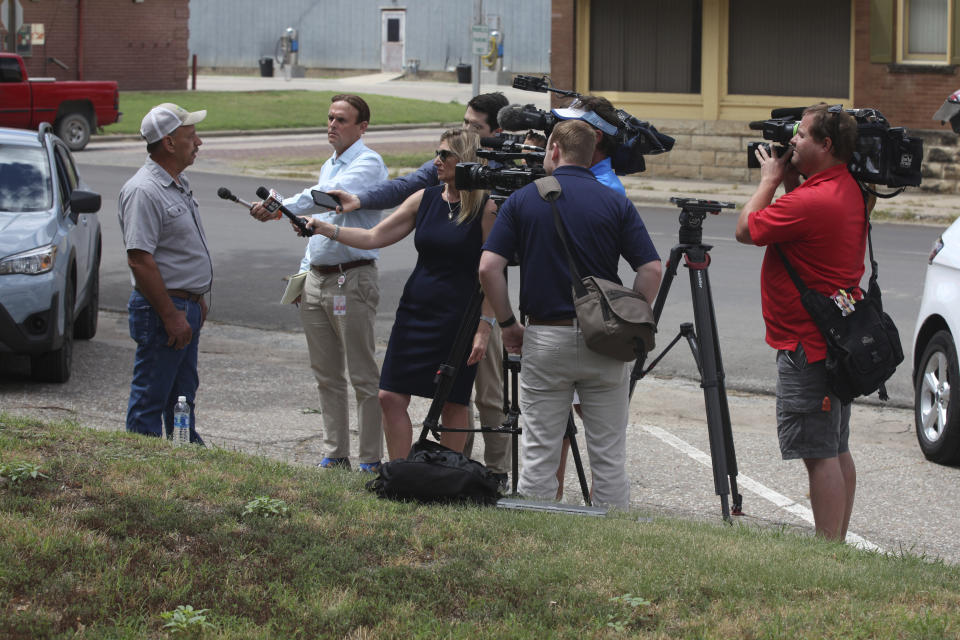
(571, 436)
(714, 389)
(705, 346)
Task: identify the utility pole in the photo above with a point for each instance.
(11, 25)
(477, 20)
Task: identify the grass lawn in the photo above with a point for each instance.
(276, 109)
(116, 535)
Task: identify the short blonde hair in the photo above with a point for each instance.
(577, 141)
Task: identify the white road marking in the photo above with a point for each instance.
(744, 482)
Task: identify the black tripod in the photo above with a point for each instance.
(447, 373)
(704, 343)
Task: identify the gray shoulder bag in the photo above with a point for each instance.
(615, 321)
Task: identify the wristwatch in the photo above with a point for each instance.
(509, 322)
(488, 320)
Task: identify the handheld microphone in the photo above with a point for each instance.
(273, 202)
(224, 193)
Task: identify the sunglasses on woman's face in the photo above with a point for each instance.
(445, 154)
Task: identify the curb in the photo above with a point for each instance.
(223, 133)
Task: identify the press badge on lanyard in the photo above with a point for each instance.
(340, 302)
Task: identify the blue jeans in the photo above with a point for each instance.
(160, 373)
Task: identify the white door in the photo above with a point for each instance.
(392, 38)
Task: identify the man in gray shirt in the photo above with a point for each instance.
(170, 269)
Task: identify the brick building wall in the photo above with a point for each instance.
(716, 149)
(906, 94)
(141, 45)
(563, 45)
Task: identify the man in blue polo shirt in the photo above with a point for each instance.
(607, 143)
(603, 225)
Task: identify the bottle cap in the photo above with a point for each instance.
(182, 399)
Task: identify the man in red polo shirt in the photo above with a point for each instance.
(820, 226)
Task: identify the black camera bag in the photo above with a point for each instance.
(432, 473)
(863, 347)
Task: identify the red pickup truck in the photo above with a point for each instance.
(73, 107)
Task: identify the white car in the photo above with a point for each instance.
(935, 377)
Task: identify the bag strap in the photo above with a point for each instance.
(549, 189)
(873, 289)
(872, 286)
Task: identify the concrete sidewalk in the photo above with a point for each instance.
(912, 206)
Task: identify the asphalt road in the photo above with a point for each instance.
(251, 258)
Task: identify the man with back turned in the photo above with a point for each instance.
(602, 225)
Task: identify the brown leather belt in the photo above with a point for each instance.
(336, 268)
(561, 322)
(186, 295)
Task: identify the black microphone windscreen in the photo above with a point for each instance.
(224, 193)
(512, 118)
(492, 142)
(263, 193)
(788, 112)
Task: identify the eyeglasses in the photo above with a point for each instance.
(445, 154)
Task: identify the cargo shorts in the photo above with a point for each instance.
(811, 421)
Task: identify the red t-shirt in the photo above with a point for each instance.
(820, 227)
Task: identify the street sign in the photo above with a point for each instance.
(480, 39)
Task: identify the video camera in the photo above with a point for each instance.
(502, 180)
(883, 155)
(635, 137)
(502, 175)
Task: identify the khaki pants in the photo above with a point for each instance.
(338, 344)
(556, 361)
(488, 399)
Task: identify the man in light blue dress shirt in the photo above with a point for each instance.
(338, 305)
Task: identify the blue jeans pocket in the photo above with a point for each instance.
(145, 325)
(143, 322)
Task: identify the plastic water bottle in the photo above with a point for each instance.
(181, 422)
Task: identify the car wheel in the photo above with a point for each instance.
(936, 402)
(55, 365)
(74, 129)
(85, 326)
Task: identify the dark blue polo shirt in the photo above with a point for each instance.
(602, 223)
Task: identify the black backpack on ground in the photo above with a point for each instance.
(432, 473)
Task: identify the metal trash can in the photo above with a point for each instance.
(266, 67)
(464, 73)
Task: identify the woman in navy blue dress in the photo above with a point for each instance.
(450, 227)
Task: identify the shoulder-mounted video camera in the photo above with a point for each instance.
(511, 164)
(883, 155)
(635, 138)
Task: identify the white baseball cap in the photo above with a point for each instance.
(590, 117)
(165, 118)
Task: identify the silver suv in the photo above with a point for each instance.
(49, 252)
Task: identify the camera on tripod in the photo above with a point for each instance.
(634, 137)
(883, 155)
